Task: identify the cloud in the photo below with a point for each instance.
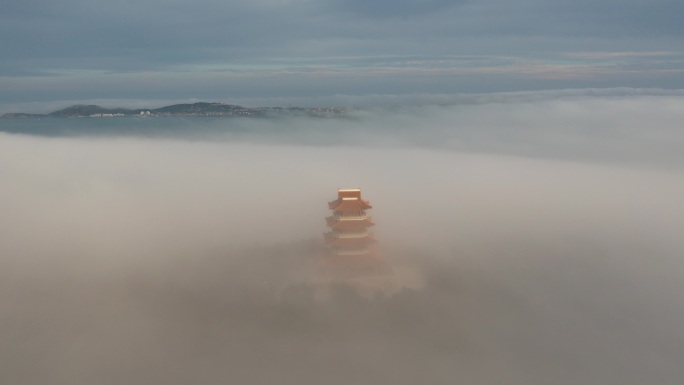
(547, 229)
(403, 8)
(296, 42)
(613, 54)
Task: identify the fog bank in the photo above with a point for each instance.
(548, 233)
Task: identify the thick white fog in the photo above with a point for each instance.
(549, 233)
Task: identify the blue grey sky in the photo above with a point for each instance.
(314, 49)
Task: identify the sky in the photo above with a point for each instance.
(260, 52)
(546, 231)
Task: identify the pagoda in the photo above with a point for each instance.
(349, 241)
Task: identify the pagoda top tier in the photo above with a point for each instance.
(349, 200)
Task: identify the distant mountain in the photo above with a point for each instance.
(194, 109)
(198, 108)
(87, 110)
(21, 115)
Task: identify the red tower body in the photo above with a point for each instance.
(349, 240)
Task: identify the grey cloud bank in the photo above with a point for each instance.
(210, 49)
(628, 126)
(548, 231)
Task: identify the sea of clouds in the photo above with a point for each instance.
(548, 231)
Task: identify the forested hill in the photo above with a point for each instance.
(191, 109)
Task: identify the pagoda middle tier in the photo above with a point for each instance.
(350, 223)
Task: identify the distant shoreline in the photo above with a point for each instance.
(194, 110)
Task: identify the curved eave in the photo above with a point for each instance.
(349, 224)
(349, 205)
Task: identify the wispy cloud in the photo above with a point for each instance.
(618, 54)
(409, 41)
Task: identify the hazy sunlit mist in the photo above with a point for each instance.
(548, 233)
